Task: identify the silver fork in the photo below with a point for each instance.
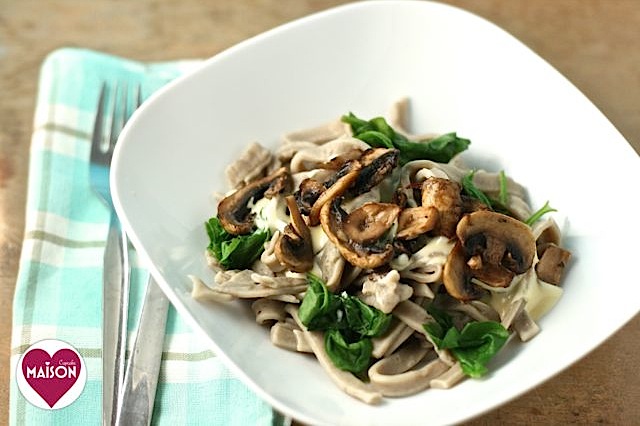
(107, 127)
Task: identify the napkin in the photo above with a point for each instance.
(59, 287)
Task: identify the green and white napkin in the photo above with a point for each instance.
(59, 288)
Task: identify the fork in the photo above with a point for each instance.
(107, 127)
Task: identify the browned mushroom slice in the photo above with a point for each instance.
(370, 221)
(551, 266)
(494, 275)
(470, 204)
(336, 163)
(444, 195)
(499, 239)
(456, 276)
(377, 164)
(307, 194)
(294, 249)
(234, 212)
(365, 256)
(348, 175)
(415, 221)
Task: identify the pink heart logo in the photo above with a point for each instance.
(51, 376)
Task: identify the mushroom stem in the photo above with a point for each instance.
(294, 248)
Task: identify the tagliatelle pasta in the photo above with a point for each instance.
(382, 254)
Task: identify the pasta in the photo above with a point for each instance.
(382, 254)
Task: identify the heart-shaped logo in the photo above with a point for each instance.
(54, 370)
(51, 376)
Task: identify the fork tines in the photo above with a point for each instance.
(115, 106)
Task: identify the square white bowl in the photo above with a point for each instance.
(462, 74)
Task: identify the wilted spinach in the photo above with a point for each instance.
(235, 251)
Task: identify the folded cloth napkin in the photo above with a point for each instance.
(59, 288)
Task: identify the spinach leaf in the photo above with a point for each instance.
(473, 346)
(217, 235)
(441, 149)
(235, 252)
(498, 205)
(379, 134)
(354, 357)
(364, 319)
(348, 323)
(538, 214)
(473, 191)
(319, 308)
(438, 329)
(322, 310)
(477, 344)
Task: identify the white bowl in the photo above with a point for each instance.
(462, 74)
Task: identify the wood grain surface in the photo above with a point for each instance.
(594, 43)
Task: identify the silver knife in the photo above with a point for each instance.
(114, 311)
(135, 405)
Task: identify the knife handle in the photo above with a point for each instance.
(114, 316)
(141, 378)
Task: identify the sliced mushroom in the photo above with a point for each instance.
(415, 221)
(294, 248)
(492, 274)
(365, 256)
(347, 175)
(234, 212)
(307, 194)
(444, 195)
(370, 221)
(498, 239)
(336, 163)
(377, 164)
(551, 266)
(456, 276)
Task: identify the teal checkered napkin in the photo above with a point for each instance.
(59, 288)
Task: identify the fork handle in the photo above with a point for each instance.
(114, 315)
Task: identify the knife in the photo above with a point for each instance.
(114, 327)
(135, 404)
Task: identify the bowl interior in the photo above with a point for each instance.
(462, 74)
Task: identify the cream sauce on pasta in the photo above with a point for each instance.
(540, 296)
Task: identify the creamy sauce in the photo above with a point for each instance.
(435, 251)
(318, 238)
(540, 296)
(271, 213)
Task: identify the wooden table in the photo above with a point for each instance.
(595, 43)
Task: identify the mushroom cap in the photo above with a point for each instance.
(499, 239)
(456, 276)
(377, 164)
(362, 255)
(234, 212)
(370, 221)
(415, 221)
(307, 194)
(347, 175)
